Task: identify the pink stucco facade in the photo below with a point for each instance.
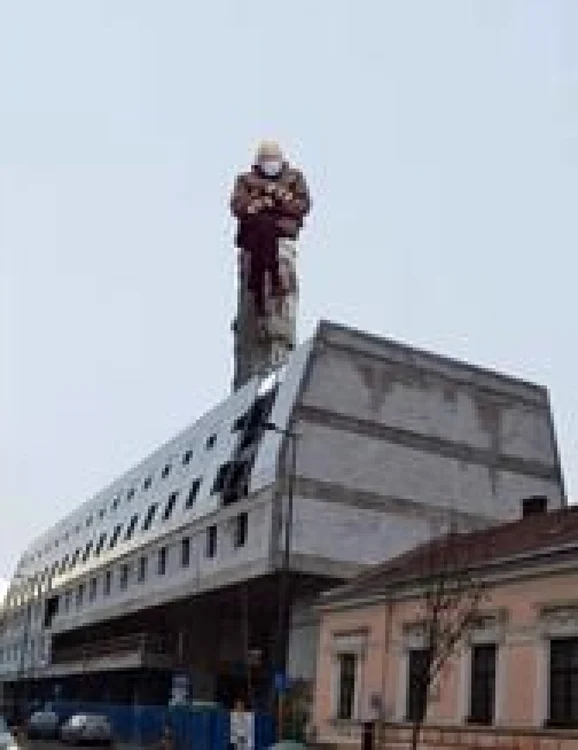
(524, 613)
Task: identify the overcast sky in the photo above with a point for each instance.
(440, 140)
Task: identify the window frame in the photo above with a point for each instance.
(483, 707)
(211, 541)
(170, 505)
(142, 568)
(162, 559)
(416, 702)
(563, 667)
(124, 576)
(186, 552)
(241, 531)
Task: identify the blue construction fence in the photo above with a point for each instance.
(192, 728)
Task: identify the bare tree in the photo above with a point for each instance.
(451, 601)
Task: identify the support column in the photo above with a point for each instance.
(263, 343)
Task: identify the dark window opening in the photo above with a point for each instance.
(74, 558)
(193, 492)
(115, 502)
(124, 575)
(241, 529)
(92, 589)
(67, 600)
(162, 561)
(166, 471)
(115, 535)
(100, 544)
(483, 683)
(253, 422)
(563, 682)
(185, 552)
(419, 665)
(130, 494)
(50, 611)
(211, 440)
(170, 505)
(187, 457)
(147, 483)
(107, 582)
(346, 691)
(142, 569)
(149, 517)
(80, 595)
(232, 481)
(131, 527)
(211, 541)
(87, 551)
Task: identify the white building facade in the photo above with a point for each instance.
(176, 564)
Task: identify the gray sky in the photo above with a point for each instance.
(440, 140)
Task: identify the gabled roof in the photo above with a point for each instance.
(529, 537)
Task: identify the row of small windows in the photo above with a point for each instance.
(162, 557)
(69, 562)
(147, 483)
(15, 652)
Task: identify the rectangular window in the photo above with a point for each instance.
(115, 535)
(418, 668)
(193, 492)
(185, 552)
(149, 517)
(187, 457)
(92, 589)
(124, 575)
(210, 442)
(67, 600)
(147, 483)
(241, 528)
(166, 471)
(87, 550)
(347, 668)
(131, 527)
(100, 544)
(130, 494)
(564, 682)
(107, 582)
(211, 541)
(80, 595)
(483, 683)
(162, 561)
(142, 569)
(170, 505)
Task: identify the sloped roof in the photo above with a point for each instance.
(534, 535)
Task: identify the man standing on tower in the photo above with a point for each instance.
(270, 202)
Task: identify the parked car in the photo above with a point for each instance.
(87, 729)
(7, 739)
(43, 725)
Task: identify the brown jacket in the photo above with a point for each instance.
(286, 216)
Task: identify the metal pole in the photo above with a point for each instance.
(284, 588)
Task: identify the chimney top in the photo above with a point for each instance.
(534, 505)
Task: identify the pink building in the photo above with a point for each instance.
(514, 672)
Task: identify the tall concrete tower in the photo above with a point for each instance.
(263, 341)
